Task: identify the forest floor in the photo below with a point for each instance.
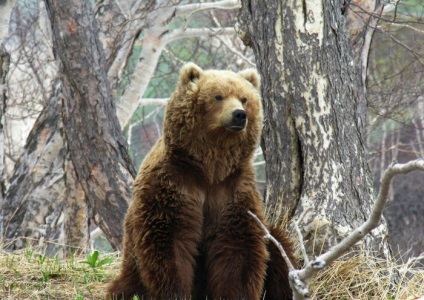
(29, 274)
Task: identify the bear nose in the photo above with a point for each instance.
(239, 116)
(238, 121)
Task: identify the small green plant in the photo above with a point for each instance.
(94, 262)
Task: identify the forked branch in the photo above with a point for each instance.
(299, 279)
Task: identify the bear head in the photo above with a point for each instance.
(214, 113)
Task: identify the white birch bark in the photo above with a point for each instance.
(121, 22)
(5, 11)
(312, 136)
(32, 205)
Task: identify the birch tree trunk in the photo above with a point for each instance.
(45, 205)
(95, 142)
(120, 26)
(33, 202)
(5, 9)
(312, 138)
(4, 68)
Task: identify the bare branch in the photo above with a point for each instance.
(300, 236)
(197, 32)
(401, 26)
(367, 44)
(153, 101)
(300, 278)
(268, 236)
(226, 42)
(417, 55)
(224, 5)
(197, 7)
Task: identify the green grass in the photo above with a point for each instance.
(29, 274)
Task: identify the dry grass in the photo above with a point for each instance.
(361, 277)
(27, 274)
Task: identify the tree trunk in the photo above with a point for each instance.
(119, 28)
(34, 200)
(75, 153)
(4, 69)
(312, 138)
(97, 147)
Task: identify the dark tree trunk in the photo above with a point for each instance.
(4, 70)
(312, 135)
(96, 145)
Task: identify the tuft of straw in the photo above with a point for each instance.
(359, 275)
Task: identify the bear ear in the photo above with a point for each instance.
(190, 73)
(252, 76)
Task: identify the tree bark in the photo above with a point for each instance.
(97, 147)
(76, 224)
(312, 138)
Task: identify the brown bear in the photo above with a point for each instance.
(188, 234)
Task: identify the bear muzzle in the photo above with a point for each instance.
(238, 120)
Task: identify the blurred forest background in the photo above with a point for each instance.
(145, 48)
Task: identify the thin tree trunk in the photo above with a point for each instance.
(312, 135)
(4, 69)
(96, 144)
(362, 18)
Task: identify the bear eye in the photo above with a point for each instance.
(218, 97)
(243, 100)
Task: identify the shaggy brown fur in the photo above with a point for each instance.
(187, 231)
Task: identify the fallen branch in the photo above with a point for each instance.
(299, 279)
